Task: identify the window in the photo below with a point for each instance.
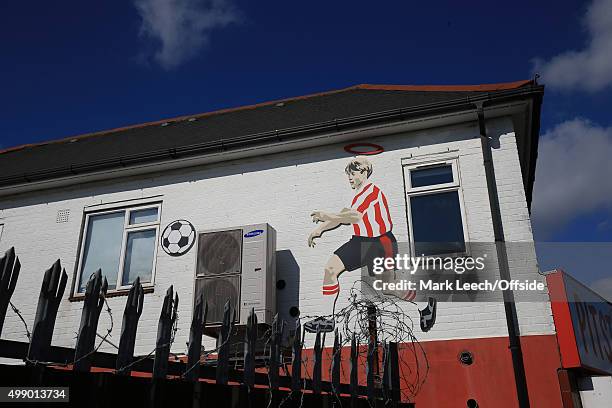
(121, 242)
(435, 209)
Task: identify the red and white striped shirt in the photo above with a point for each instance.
(372, 203)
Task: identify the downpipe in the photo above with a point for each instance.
(504, 269)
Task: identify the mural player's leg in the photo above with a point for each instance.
(333, 269)
(331, 289)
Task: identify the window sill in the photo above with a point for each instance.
(464, 254)
(114, 293)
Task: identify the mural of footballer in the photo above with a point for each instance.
(372, 237)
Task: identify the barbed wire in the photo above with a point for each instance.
(105, 337)
(152, 352)
(392, 325)
(18, 313)
(207, 353)
(354, 319)
(86, 355)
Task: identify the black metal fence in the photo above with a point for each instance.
(183, 383)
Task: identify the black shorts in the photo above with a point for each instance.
(361, 251)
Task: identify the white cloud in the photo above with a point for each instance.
(591, 67)
(603, 287)
(573, 176)
(181, 28)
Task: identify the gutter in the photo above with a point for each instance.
(504, 268)
(533, 149)
(270, 137)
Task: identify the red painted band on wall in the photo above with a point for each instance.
(489, 380)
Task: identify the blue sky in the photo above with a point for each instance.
(73, 67)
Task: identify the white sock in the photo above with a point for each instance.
(327, 302)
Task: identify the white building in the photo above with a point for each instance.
(275, 163)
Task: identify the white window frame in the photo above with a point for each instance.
(127, 228)
(455, 185)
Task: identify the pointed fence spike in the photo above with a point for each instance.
(2, 262)
(336, 362)
(385, 376)
(46, 283)
(249, 350)
(46, 313)
(394, 372)
(370, 369)
(317, 367)
(205, 315)
(223, 354)
(57, 296)
(127, 341)
(133, 295)
(140, 296)
(55, 278)
(175, 306)
(167, 318)
(195, 340)
(296, 363)
(10, 259)
(90, 316)
(354, 380)
(275, 338)
(15, 275)
(9, 273)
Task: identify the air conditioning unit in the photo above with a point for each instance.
(237, 264)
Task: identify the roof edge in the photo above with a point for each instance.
(465, 103)
(424, 88)
(502, 86)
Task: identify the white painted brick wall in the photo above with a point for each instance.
(281, 189)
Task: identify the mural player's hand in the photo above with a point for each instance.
(320, 216)
(314, 235)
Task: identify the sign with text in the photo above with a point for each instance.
(584, 324)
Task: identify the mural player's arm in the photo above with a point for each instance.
(329, 221)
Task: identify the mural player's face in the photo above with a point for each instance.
(356, 178)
